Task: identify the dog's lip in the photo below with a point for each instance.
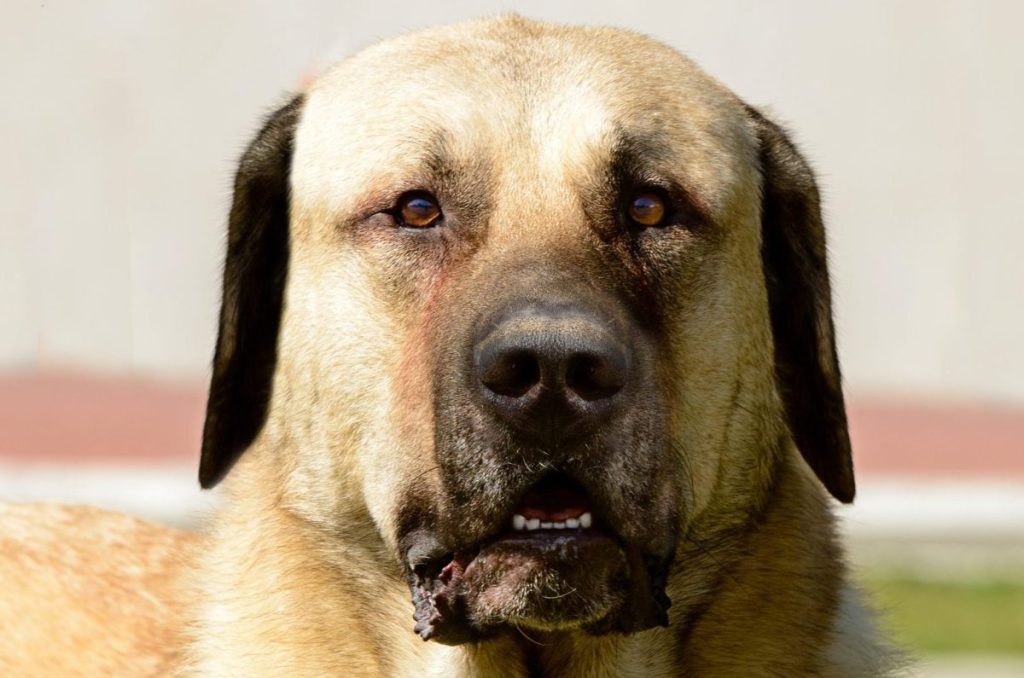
(541, 544)
(551, 547)
(554, 512)
(556, 498)
(543, 541)
(439, 587)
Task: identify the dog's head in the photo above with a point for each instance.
(529, 302)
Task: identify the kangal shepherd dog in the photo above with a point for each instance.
(526, 351)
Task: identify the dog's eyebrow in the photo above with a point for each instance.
(442, 158)
(636, 148)
(466, 180)
(438, 157)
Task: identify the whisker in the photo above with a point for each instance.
(524, 635)
(560, 595)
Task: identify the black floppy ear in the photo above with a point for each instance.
(800, 299)
(250, 315)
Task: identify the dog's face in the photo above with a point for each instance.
(525, 298)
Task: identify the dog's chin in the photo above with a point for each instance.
(544, 581)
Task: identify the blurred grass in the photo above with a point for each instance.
(931, 617)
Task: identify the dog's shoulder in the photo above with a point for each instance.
(88, 591)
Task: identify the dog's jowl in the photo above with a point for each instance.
(525, 367)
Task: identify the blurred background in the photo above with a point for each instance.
(123, 120)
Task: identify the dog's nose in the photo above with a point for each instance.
(552, 372)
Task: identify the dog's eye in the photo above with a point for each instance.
(417, 209)
(647, 209)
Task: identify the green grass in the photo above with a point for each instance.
(938, 617)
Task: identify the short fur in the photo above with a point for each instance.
(354, 456)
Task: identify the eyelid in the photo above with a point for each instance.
(384, 197)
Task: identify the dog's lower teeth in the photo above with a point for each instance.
(521, 523)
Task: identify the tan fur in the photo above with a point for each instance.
(88, 592)
(300, 575)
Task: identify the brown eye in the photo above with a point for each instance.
(417, 210)
(647, 209)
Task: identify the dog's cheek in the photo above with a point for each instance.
(412, 481)
(329, 395)
(355, 379)
(719, 358)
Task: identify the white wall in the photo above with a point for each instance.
(121, 121)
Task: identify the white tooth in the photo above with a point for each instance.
(533, 523)
(572, 523)
(519, 522)
(586, 519)
(546, 526)
(558, 525)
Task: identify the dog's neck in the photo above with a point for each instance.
(731, 615)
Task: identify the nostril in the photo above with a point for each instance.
(594, 377)
(512, 374)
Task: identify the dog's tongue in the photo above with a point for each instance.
(555, 498)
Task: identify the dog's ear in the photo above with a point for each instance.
(254, 278)
(796, 272)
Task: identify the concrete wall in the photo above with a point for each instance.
(121, 121)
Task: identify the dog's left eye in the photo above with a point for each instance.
(647, 209)
(417, 209)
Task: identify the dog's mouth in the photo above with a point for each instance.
(557, 503)
(555, 565)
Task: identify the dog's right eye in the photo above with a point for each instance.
(417, 209)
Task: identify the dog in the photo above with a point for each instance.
(526, 350)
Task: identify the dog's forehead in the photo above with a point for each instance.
(536, 104)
